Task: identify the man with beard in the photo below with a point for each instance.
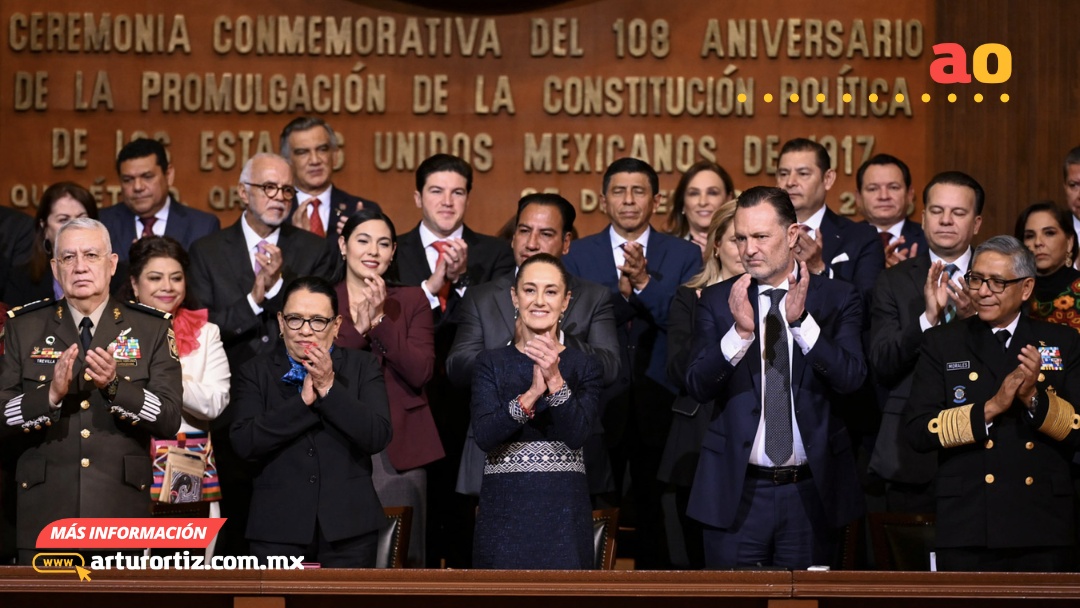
(238, 274)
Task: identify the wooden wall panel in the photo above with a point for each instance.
(1015, 150)
(25, 135)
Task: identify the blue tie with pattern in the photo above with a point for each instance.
(950, 306)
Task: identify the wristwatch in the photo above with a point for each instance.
(110, 389)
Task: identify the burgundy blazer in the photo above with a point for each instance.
(405, 344)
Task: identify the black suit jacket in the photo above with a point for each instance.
(489, 258)
(913, 234)
(185, 224)
(311, 463)
(16, 238)
(895, 341)
(853, 252)
(1011, 487)
(222, 277)
(834, 366)
(341, 204)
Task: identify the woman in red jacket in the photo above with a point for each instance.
(395, 324)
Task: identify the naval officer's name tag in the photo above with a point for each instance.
(955, 365)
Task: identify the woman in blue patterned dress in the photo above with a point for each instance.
(533, 406)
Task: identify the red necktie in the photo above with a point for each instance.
(444, 293)
(148, 225)
(885, 237)
(316, 220)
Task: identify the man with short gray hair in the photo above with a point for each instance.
(992, 396)
(85, 383)
(238, 272)
(311, 148)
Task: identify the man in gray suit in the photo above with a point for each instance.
(485, 319)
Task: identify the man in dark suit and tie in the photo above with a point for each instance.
(486, 319)
(831, 245)
(992, 398)
(838, 248)
(885, 198)
(910, 298)
(442, 255)
(148, 208)
(641, 268)
(774, 347)
(311, 148)
(445, 258)
(239, 273)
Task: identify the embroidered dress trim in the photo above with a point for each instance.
(534, 457)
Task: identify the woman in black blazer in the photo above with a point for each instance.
(309, 416)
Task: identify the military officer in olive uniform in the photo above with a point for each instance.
(84, 384)
(992, 395)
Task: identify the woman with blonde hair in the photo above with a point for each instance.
(679, 461)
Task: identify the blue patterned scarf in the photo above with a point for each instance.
(297, 372)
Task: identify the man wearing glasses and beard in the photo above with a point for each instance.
(238, 274)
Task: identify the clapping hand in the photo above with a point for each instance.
(320, 374)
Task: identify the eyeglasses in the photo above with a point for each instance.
(68, 260)
(975, 282)
(295, 322)
(271, 190)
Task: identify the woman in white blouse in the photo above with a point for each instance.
(158, 267)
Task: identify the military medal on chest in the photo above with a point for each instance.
(127, 349)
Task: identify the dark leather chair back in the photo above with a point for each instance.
(393, 549)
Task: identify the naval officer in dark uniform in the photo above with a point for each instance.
(84, 384)
(992, 395)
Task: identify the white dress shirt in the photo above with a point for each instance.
(963, 263)
(162, 217)
(617, 243)
(734, 348)
(427, 238)
(324, 205)
(252, 240)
